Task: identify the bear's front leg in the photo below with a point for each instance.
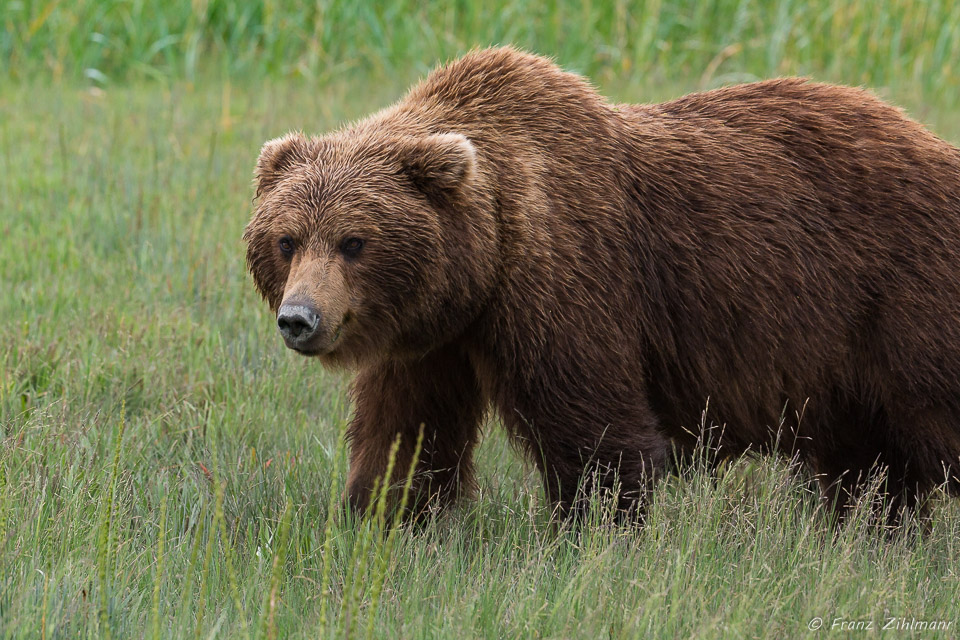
(439, 391)
(587, 453)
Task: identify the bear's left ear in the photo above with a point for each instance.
(441, 163)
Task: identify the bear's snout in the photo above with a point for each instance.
(298, 324)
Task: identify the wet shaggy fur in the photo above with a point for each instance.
(596, 272)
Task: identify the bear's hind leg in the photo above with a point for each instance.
(924, 449)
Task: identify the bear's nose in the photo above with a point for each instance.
(297, 323)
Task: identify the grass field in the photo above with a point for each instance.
(166, 466)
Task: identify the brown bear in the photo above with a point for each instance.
(503, 236)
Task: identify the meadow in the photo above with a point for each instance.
(169, 469)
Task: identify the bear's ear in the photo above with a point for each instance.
(441, 163)
(277, 157)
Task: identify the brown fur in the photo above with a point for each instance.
(596, 272)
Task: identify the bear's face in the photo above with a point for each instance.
(351, 242)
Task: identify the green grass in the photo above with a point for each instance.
(890, 43)
(167, 468)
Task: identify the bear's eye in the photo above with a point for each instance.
(287, 246)
(351, 247)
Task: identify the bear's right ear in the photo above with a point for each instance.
(277, 157)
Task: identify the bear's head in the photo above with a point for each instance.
(368, 244)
